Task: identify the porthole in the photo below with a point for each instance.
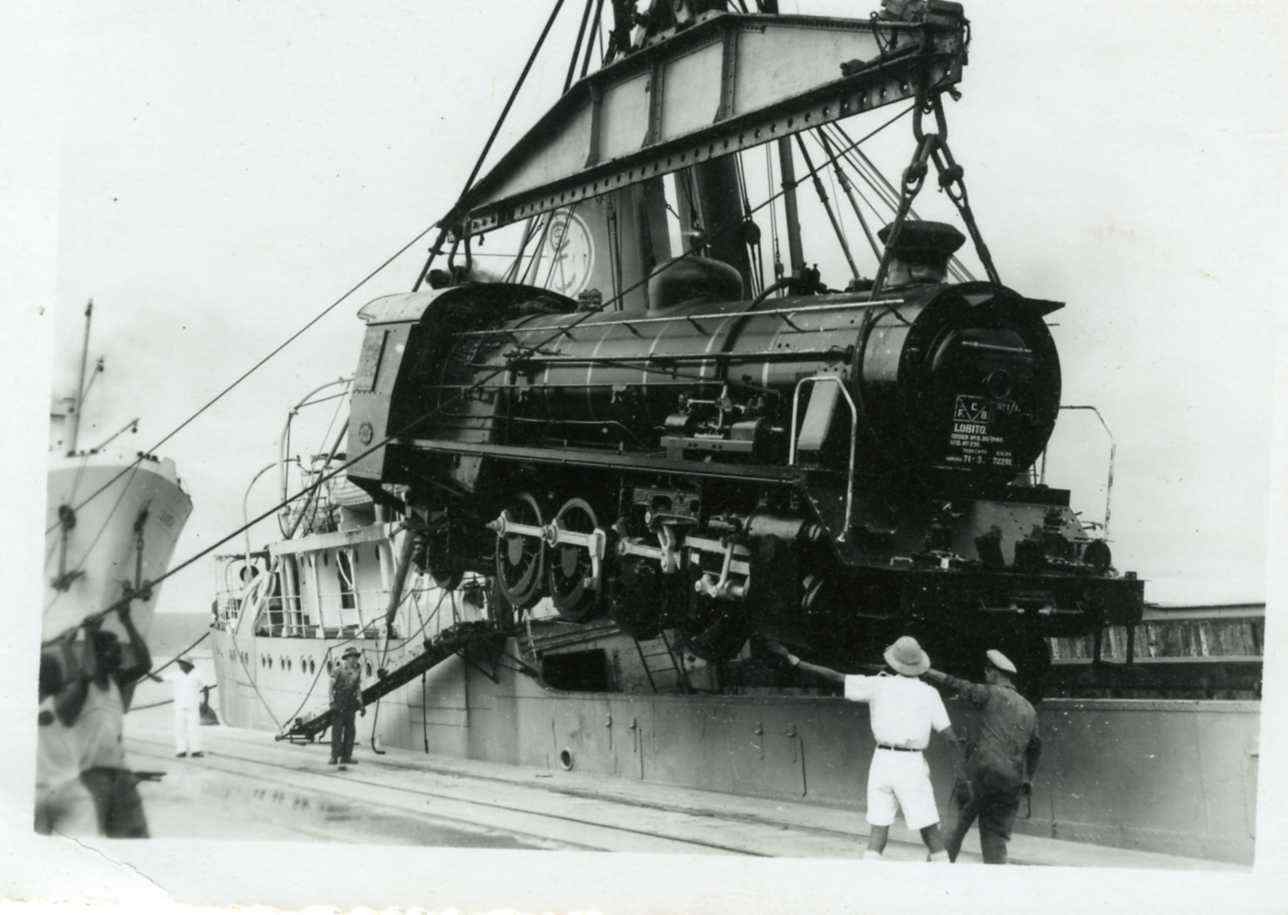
(566, 761)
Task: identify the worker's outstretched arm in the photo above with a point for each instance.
(817, 670)
(143, 658)
(975, 693)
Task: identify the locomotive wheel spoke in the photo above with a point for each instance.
(570, 568)
(520, 559)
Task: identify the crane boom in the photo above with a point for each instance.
(728, 82)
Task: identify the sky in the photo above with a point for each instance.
(227, 170)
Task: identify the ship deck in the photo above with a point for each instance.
(250, 787)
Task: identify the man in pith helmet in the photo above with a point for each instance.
(1000, 760)
(903, 711)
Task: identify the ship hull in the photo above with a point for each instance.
(89, 564)
(1169, 776)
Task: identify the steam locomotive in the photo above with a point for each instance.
(826, 468)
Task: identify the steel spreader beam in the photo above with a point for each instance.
(726, 83)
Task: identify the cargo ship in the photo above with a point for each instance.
(113, 517)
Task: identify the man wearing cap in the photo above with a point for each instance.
(188, 687)
(1000, 762)
(903, 712)
(346, 699)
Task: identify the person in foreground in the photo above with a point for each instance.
(346, 699)
(904, 711)
(98, 730)
(1000, 763)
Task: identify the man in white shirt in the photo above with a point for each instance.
(903, 712)
(188, 687)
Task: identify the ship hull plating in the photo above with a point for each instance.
(124, 535)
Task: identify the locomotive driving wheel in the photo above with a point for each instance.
(520, 559)
(574, 588)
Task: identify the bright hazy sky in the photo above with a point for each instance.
(227, 169)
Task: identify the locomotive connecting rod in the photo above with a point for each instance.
(554, 534)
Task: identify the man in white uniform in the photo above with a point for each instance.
(903, 712)
(188, 686)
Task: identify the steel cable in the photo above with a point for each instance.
(375, 446)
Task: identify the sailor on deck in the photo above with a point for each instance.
(188, 687)
(1000, 761)
(903, 713)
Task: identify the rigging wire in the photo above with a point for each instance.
(576, 49)
(591, 35)
(881, 185)
(773, 214)
(477, 385)
(821, 137)
(250, 371)
(487, 145)
(827, 207)
(335, 304)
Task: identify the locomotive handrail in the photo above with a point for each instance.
(854, 428)
(848, 305)
(1113, 450)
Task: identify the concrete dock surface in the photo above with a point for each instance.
(248, 786)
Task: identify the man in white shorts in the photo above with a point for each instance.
(903, 711)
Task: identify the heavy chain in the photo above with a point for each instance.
(933, 147)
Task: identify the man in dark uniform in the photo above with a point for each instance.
(1001, 760)
(346, 699)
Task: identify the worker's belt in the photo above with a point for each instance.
(886, 746)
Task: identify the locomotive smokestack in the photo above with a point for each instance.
(922, 251)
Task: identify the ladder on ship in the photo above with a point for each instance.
(660, 647)
(460, 637)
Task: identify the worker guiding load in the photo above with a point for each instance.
(991, 771)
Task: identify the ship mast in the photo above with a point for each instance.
(80, 381)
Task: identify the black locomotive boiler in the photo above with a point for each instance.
(829, 469)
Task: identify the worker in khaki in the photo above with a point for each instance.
(903, 711)
(1000, 761)
(346, 700)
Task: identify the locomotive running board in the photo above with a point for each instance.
(580, 457)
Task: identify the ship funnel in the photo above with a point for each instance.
(922, 251)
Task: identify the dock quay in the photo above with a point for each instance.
(247, 786)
